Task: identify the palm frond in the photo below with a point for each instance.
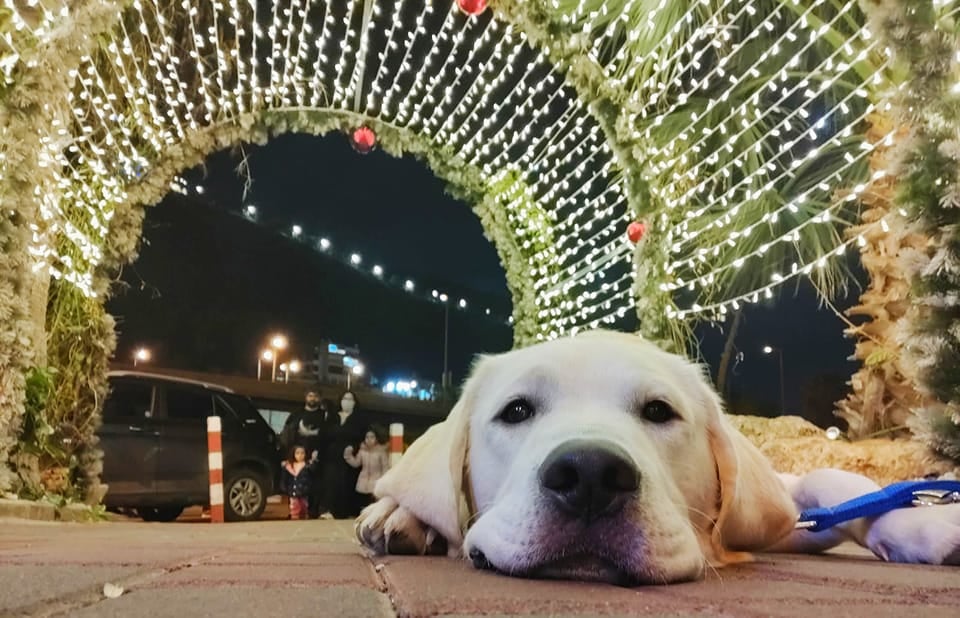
(755, 159)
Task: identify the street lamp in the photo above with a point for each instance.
(446, 335)
(265, 355)
(770, 350)
(288, 368)
(142, 355)
(356, 370)
(277, 343)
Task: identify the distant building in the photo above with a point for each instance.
(336, 364)
(332, 363)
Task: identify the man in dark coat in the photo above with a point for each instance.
(312, 428)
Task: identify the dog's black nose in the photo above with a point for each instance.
(589, 478)
(479, 560)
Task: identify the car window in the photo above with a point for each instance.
(277, 419)
(242, 405)
(242, 408)
(226, 407)
(189, 403)
(128, 399)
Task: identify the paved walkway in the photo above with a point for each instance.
(314, 568)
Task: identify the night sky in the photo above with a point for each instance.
(210, 286)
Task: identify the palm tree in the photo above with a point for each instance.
(884, 390)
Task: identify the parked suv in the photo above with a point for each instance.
(154, 441)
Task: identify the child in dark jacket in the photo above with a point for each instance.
(295, 481)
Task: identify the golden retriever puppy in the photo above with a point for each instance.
(598, 457)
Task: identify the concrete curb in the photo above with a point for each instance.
(44, 511)
(27, 509)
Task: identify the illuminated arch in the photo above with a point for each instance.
(87, 138)
(486, 111)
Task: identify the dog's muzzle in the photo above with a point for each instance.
(589, 479)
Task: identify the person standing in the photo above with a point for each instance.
(312, 428)
(341, 477)
(373, 461)
(296, 480)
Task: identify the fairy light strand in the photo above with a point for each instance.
(504, 109)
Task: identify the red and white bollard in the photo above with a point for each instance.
(396, 443)
(215, 454)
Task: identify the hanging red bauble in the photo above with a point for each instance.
(636, 230)
(472, 7)
(363, 139)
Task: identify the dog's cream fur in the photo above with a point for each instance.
(706, 494)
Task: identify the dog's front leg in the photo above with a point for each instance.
(926, 535)
(822, 488)
(385, 527)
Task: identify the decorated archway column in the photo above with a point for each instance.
(30, 113)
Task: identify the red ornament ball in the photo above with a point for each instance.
(363, 139)
(636, 230)
(472, 7)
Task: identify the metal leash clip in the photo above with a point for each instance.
(935, 497)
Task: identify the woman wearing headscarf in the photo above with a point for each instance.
(340, 477)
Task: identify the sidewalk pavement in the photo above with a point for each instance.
(314, 568)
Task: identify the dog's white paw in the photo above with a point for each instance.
(924, 535)
(369, 525)
(385, 527)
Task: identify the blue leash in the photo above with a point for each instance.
(896, 496)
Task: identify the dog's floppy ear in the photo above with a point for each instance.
(756, 510)
(428, 479)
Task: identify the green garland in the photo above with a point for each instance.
(16, 354)
(929, 190)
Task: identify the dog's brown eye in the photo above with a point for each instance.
(657, 411)
(516, 411)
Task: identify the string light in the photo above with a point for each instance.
(475, 85)
(784, 122)
(718, 309)
(153, 91)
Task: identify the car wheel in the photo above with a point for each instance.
(245, 496)
(160, 513)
